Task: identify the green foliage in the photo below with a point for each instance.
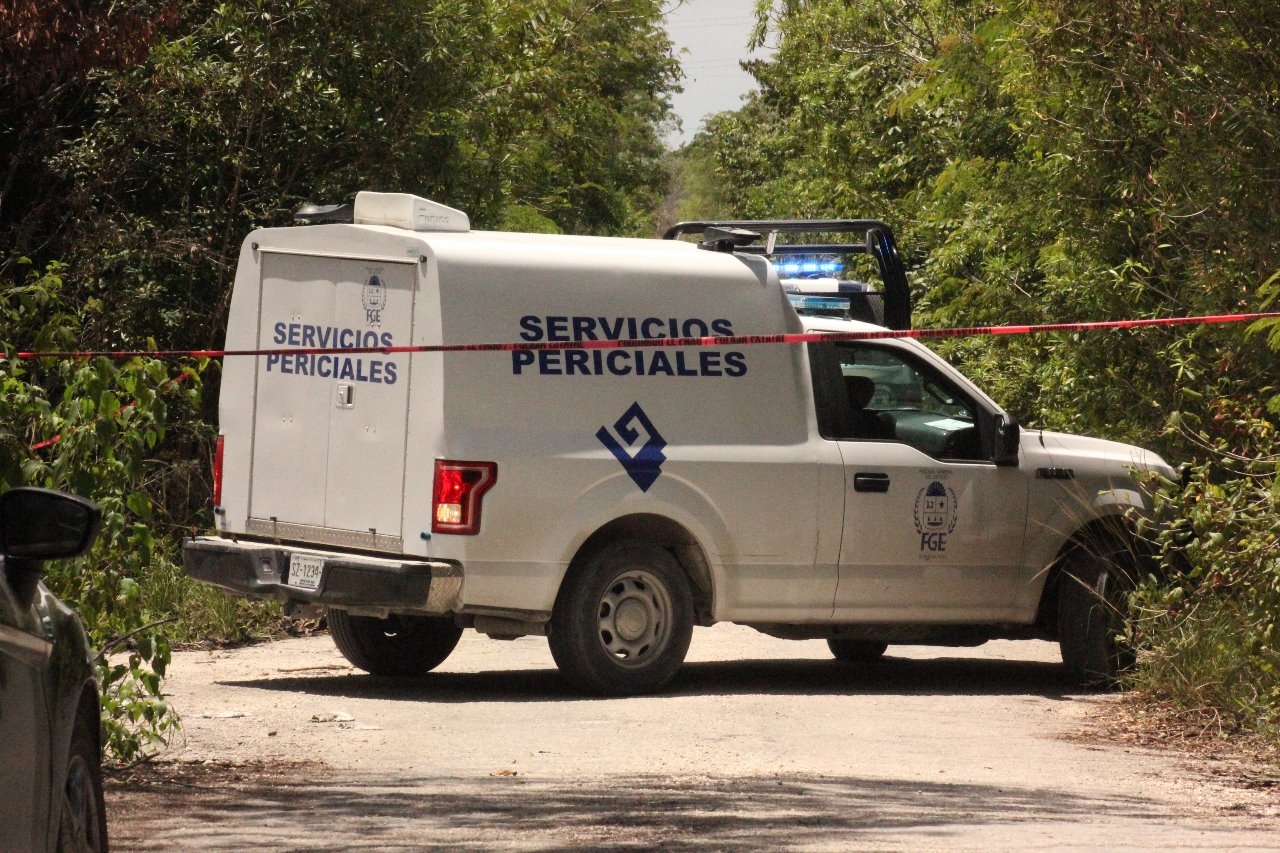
(92, 427)
(569, 118)
(1209, 630)
(253, 107)
(52, 52)
(699, 193)
(1270, 293)
(1041, 161)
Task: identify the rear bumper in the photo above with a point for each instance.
(350, 581)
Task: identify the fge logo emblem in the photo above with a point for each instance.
(374, 298)
(645, 465)
(936, 512)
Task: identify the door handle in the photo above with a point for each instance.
(871, 483)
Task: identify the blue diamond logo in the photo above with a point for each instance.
(644, 466)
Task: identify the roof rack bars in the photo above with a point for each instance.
(736, 235)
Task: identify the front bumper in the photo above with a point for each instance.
(350, 581)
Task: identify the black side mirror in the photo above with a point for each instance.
(1007, 440)
(42, 524)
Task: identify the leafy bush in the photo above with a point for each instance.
(1042, 161)
(93, 427)
(1209, 628)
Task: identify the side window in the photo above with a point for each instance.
(870, 392)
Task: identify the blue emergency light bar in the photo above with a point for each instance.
(808, 266)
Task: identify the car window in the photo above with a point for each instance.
(865, 392)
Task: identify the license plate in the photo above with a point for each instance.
(305, 571)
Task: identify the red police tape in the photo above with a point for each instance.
(734, 340)
(629, 343)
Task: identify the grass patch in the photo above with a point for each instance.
(203, 612)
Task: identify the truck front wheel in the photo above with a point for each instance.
(623, 620)
(1091, 618)
(397, 646)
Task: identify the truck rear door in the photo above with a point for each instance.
(330, 428)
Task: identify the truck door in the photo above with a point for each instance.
(330, 428)
(933, 530)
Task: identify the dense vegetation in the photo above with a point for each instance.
(1056, 160)
(140, 143)
(1041, 160)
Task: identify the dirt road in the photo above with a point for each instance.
(760, 744)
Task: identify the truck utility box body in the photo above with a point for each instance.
(338, 450)
(609, 496)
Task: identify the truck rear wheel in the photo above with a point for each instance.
(857, 651)
(397, 646)
(1091, 618)
(623, 620)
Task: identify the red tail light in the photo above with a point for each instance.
(217, 472)
(457, 494)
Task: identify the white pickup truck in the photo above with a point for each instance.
(611, 497)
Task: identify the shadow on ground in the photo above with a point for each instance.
(223, 807)
(889, 677)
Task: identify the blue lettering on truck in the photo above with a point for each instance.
(356, 368)
(327, 337)
(555, 328)
(533, 329)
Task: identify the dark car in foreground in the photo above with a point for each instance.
(50, 738)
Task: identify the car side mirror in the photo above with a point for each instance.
(42, 524)
(1007, 440)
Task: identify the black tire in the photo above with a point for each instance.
(82, 817)
(622, 622)
(857, 651)
(398, 646)
(1092, 614)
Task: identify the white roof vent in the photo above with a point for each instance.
(401, 210)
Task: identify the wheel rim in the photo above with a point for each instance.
(80, 808)
(634, 620)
